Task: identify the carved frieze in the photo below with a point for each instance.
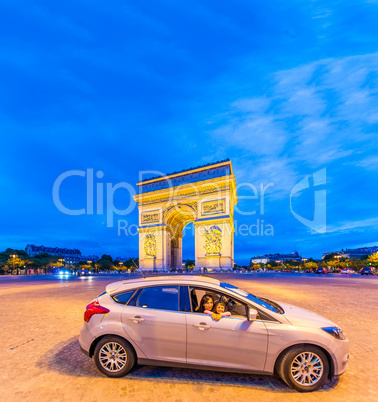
(210, 173)
(150, 217)
(213, 242)
(166, 198)
(215, 207)
(150, 245)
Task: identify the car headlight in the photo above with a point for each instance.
(335, 332)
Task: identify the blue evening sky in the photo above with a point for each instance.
(283, 89)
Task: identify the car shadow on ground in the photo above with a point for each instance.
(67, 358)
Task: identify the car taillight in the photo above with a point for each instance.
(94, 308)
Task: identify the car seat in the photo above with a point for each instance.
(193, 296)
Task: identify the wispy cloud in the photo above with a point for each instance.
(370, 163)
(353, 225)
(318, 113)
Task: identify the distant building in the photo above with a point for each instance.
(70, 256)
(353, 252)
(93, 258)
(121, 259)
(264, 259)
(259, 260)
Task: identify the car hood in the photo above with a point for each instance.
(303, 318)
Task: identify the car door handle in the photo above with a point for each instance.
(202, 326)
(137, 319)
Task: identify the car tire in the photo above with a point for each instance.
(299, 375)
(114, 356)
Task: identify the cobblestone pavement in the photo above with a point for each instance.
(41, 360)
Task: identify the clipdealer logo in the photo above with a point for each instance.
(319, 222)
(100, 201)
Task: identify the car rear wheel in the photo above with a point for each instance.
(304, 368)
(114, 356)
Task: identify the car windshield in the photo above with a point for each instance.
(270, 305)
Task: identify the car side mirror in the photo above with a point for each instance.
(252, 314)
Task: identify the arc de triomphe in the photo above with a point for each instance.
(206, 196)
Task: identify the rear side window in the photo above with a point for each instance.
(160, 297)
(123, 298)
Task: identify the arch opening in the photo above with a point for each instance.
(188, 244)
(177, 219)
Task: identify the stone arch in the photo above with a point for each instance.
(176, 219)
(206, 196)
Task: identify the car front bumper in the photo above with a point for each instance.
(341, 355)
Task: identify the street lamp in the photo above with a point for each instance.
(14, 256)
(338, 261)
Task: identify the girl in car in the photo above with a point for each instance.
(220, 309)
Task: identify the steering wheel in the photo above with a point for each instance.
(228, 302)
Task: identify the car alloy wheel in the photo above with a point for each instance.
(304, 368)
(114, 356)
(307, 368)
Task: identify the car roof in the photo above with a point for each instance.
(139, 282)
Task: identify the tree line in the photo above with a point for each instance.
(333, 261)
(17, 261)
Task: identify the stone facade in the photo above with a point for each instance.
(205, 196)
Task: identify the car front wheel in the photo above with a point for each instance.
(114, 356)
(304, 368)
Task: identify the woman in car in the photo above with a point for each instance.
(207, 304)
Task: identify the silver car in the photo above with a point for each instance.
(155, 321)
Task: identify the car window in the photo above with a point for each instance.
(134, 298)
(159, 297)
(124, 297)
(233, 306)
(269, 304)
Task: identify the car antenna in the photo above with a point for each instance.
(138, 269)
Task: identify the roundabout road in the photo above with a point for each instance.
(41, 317)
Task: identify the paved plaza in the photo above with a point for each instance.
(41, 318)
